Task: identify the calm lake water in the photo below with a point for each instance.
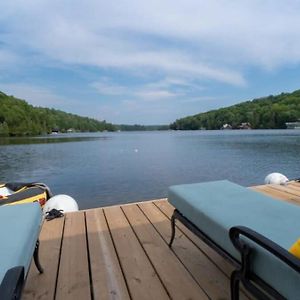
(108, 168)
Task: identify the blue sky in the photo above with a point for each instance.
(147, 62)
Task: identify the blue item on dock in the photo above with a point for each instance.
(216, 207)
(19, 232)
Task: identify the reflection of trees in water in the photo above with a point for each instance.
(47, 140)
(36, 158)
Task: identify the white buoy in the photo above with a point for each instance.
(276, 178)
(61, 202)
(4, 191)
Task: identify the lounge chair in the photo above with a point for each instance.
(19, 231)
(251, 230)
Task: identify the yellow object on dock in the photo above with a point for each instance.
(19, 193)
(295, 249)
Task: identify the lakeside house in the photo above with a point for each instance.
(292, 125)
(245, 125)
(226, 126)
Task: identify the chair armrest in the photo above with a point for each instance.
(12, 284)
(264, 242)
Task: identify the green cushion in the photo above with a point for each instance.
(19, 231)
(215, 207)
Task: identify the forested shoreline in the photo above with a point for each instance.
(270, 112)
(137, 127)
(18, 118)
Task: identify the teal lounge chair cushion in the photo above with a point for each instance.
(19, 231)
(215, 207)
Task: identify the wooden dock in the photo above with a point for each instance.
(121, 252)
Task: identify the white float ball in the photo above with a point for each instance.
(276, 178)
(61, 202)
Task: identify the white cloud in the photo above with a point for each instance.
(156, 91)
(155, 95)
(177, 47)
(118, 34)
(177, 82)
(107, 35)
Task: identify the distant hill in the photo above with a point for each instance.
(137, 127)
(17, 118)
(270, 112)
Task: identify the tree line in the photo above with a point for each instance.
(137, 127)
(18, 118)
(270, 112)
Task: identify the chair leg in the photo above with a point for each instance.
(173, 230)
(12, 283)
(36, 257)
(234, 285)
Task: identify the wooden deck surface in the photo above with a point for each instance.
(121, 252)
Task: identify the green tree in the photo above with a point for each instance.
(269, 112)
(17, 117)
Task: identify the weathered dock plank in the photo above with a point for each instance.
(73, 280)
(43, 286)
(295, 186)
(107, 277)
(279, 192)
(141, 277)
(215, 283)
(218, 260)
(177, 280)
(289, 190)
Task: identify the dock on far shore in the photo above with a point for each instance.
(121, 252)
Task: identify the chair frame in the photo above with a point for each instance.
(14, 279)
(252, 283)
